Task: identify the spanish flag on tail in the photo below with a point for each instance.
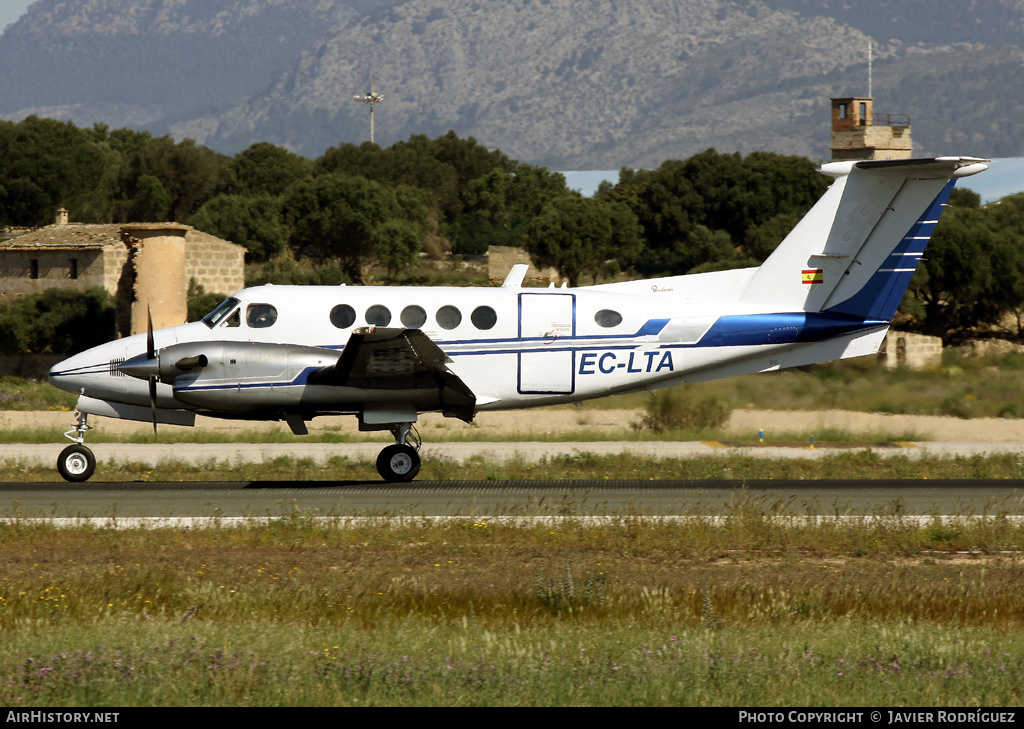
(813, 276)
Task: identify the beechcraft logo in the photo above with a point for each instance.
(813, 276)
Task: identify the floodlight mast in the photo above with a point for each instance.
(371, 99)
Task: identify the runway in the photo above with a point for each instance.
(503, 498)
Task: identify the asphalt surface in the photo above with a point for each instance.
(121, 500)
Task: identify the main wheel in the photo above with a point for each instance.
(398, 463)
(76, 463)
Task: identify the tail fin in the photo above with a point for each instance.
(858, 247)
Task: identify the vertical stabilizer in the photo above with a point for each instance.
(856, 250)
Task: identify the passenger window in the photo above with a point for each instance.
(260, 316)
(343, 316)
(483, 317)
(413, 317)
(448, 317)
(379, 316)
(607, 318)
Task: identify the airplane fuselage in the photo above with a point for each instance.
(513, 347)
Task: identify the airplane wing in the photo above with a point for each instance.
(398, 359)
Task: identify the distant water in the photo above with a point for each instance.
(1004, 177)
(586, 181)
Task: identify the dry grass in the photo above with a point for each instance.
(635, 612)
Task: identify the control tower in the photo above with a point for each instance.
(859, 133)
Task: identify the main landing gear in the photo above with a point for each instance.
(401, 461)
(76, 462)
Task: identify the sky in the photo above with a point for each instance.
(11, 10)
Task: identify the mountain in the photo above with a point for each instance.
(145, 62)
(570, 84)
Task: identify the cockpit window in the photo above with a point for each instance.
(260, 316)
(217, 315)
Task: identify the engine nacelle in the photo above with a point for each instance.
(234, 376)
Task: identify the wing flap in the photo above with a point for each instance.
(377, 358)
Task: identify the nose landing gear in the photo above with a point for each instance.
(76, 462)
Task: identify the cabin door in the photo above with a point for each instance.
(547, 323)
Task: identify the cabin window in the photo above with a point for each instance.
(483, 317)
(222, 310)
(413, 317)
(260, 316)
(378, 315)
(448, 317)
(343, 316)
(607, 318)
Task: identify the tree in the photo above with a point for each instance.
(255, 222)
(57, 321)
(345, 219)
(756, 196)
(500, 205)
(972, 274)
(266, 169)
(575, 234)
(47, 164)
(188, 173)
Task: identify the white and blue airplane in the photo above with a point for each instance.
(385, 354)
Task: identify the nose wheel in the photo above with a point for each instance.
(76, 462)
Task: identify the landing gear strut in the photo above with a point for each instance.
(401, 461)
(76, 462)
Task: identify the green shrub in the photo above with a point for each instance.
(671, 409)
(57, 321)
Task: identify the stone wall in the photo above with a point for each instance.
(915, 351)
(54, 271)
(872, 142)
(219, 266)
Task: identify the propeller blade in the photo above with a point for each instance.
(150, 348)
(152, 399)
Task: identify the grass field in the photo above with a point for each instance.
(744, 612)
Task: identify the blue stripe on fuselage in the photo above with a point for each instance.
(758, 329)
